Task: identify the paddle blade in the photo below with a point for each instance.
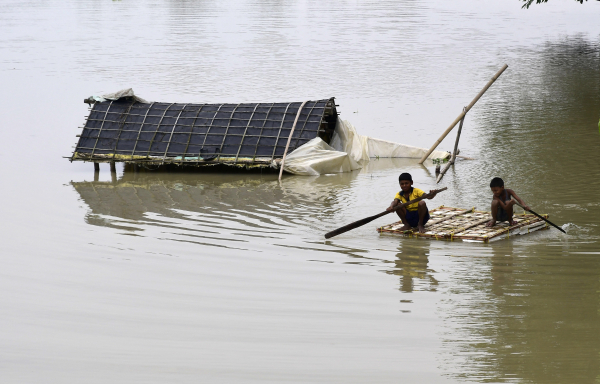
(351, 226)
(542, 217)
(548, 221)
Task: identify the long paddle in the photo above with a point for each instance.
(364, 221)
(543, 218)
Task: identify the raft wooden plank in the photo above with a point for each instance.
(468, 225)
(513, 232)
(506, 229)
(437, 215)
(520, 231)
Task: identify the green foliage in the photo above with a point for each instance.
(529, 2)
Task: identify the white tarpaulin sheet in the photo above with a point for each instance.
(348, 151)
(127, 92)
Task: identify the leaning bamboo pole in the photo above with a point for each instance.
(459, 118)
(454, 153)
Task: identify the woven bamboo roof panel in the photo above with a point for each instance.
(252, 133)
(447, 223)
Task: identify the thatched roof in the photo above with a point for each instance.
(130, 131)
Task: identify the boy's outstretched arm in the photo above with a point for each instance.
(394, 204)
(513, 194)
(432, 193)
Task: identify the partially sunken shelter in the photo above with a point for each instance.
(302, 138)
(128, 129)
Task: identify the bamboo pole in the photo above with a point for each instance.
(458, 136)
(455, 152)
(289, 139)
(459, 118)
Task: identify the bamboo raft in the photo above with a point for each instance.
(447, 223)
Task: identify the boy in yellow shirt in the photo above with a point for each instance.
(416, 214)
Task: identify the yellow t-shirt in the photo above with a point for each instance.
(414, 193)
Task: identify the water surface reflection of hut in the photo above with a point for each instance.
(139, 197)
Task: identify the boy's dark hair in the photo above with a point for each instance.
(405, 176)
(497, 182)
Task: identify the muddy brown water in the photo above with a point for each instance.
(226, 278)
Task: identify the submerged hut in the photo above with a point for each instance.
(128, 129)
(122, 127)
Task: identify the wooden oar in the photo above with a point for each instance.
(543, 218)
(364, 221)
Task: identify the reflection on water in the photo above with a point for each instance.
(292, 202)
(519, 309)
(518, 315)
(213, 209)
(502, 268)
(411, 265)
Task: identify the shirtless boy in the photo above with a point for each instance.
(502, 204)
(416, 214)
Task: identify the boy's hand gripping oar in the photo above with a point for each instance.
(543, 218)
(364, 221)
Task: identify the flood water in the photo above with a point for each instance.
(226, 278)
